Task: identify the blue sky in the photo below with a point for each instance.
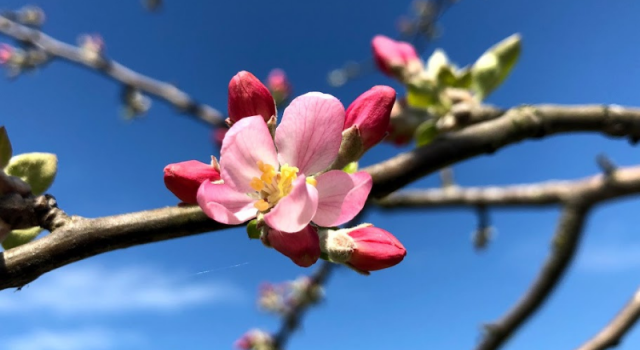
(152, 297)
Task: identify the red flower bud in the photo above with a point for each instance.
(370, 112)
(391, 55)
(249, 97)
(303, 247)
(183, 179)
(375, 249)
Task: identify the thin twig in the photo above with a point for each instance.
(114, 70)
(529, 195)
(611, 335)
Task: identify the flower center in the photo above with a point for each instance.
(272, 185)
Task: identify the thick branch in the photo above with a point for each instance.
(626, 180)
(518, 124)
(82, 238)
(113, 70)
(611, 335)
(564, 246)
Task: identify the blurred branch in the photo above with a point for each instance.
(113, 70)
(565, 242)
(541, 194)
(611, 335)
(514, 125)
(293, 317)
(81, 238)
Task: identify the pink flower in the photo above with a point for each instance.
(183, 179)
(249, 97)
(375, 249)
(303, 251)
(6, 52)
(279, 85)
(370, 112)
(391, 55)
(286, 186)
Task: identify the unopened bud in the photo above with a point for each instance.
(249, 97)
(364, 247)
(371, 112)
(183, 179)
(396, 59)
(279, 85)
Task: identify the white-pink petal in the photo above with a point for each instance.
(310, 133)
(294, 211)
(341, 196)
(224, 204)
(246, 143)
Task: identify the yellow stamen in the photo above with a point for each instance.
(311, 181)
(261, 205)
(256, 184)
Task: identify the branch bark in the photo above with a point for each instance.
(114, 70)
(611, 335)
(515, 125)
(540, 194)
(82, 238)
(565, 242)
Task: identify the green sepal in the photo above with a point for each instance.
(252, 229)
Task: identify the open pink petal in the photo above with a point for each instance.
(310, 133)
(294, 212)
(247, 142)
(341, 196)
(224, 204)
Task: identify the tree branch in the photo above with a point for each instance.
(565, 242)
(114, 70)
(540, 194)
(515, 125)
(82, 238)
(611, 335)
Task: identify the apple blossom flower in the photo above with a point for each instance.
(281, 180)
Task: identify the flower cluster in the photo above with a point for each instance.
(284, 297)
(289, 177)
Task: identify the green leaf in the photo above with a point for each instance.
(37, 169)
(20, 237)
(446, 76)
(426, 132)
(5, 148)
(463, 79)
(493, 67)
(351, 168)
(436, 61)
(252, 229)
(421, 98)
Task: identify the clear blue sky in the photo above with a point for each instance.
(151, 297)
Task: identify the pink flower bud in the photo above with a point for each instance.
(249, 97)
(183, 179)
(370, 112)
(302, 247)
(375, 249)
(6, 51)
(392, 56)
(279, 85)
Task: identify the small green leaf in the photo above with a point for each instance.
(493, 67)
(37, 169)
(463, 79)
(20, 237)
(446, 76)
(252, 229)
(426, 132)
(5, 148)
(351, 168)
(418, 98)
(436, 61)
